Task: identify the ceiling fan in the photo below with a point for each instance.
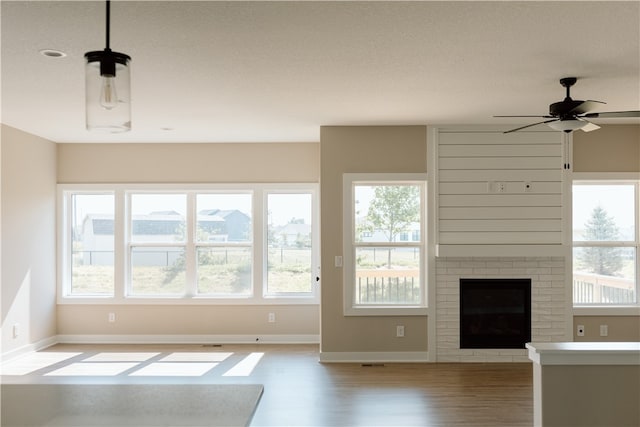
(569, 114)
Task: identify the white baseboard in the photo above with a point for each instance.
(40, 345)
(188, 339)
(375, 357)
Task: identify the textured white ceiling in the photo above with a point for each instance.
(277, 71)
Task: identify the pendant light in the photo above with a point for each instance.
(108, 91)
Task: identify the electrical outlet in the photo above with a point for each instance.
(604, 330)
(399, 331)
(16, 330)
(111, 317)
(338, 261)
(272, 317)
(580, 330)
(496, 187)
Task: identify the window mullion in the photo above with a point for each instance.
(259, 247)
(127, 232)
(191, 255)
(120, 249)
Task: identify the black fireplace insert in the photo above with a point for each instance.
(495, 313)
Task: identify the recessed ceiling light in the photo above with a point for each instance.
(166, 129)
(52, 53)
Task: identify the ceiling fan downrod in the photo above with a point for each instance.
(568, 82)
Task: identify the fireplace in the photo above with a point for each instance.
(495, 313)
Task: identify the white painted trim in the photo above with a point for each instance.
(567, 237)
(500, 251)
(605, 176)
(432, 239)
(37, 346)
(188, 339)
(375, 357)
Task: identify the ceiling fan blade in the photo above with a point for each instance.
(585, 106)
(542, 117)
(611, 114)
(589, 126)
(528, 126)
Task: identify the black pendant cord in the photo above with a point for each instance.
(108, 22)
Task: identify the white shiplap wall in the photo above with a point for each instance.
(499, 189)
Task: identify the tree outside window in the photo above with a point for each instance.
(605, 243)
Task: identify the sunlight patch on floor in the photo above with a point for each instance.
(196, 357)
(244, 367)
(33, 362)
(121, 357)
(174, 369)
(84, 369)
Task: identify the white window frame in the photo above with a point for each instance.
(605, 178)
(349, 181)
(122, 221)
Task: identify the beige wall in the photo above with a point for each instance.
(392, 149)
(590, 395)
(193, 163)
(620, 328)
(242, 321)
(28, 239)
(609, 149)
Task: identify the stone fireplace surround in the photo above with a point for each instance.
(549, 309)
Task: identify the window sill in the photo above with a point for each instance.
(618, 310)
(385, 311)
(187, 301)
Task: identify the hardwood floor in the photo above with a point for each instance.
(300, 391)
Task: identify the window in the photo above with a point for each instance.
(289, 244)
(384, 271)
(605, 243)
(224, 242)
(233, 243)
(157, 244)
(91, 233)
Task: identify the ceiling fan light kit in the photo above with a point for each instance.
(569, 114)
(108, 88)
(567, 125)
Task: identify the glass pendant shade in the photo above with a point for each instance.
(108, 91)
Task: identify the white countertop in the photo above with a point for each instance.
(585, 353)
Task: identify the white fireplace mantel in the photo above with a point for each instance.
(500, 250)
